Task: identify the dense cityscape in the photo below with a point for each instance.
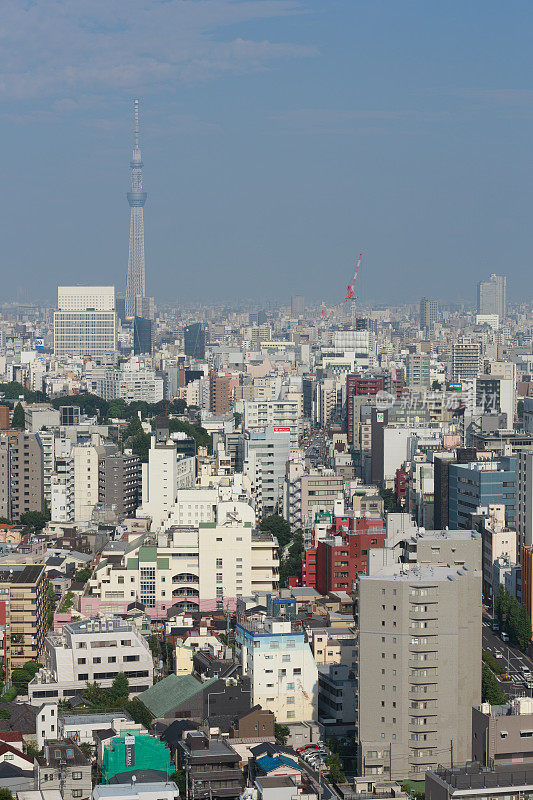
(264, 549)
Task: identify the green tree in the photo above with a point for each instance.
(520, 410)
(139, 713)
(490, 688)
(31, 750)
(281, 732)
(435, 386)
(94, 695)
(83, 575)
(291, 561)
(87, 749)
(524, 629)
(5, 521)
(278, 527)
(120, 688)
(140, 446)
(389, 500)
(34, 519)
(32, 667)
(5, 793)
(179, 779)
(335, 770)
(20, 679)
(18, 419)
(134, 428)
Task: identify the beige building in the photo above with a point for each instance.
(24, 590)
(501, 735)
(21, 474)
(318, 491)
(419, 667)
(86, 463)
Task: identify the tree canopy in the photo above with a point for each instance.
(35, 519)
(278, 527)
(18, 418)
(513, 618)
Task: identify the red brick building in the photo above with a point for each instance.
(340, 558)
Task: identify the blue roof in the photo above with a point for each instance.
(268, 763)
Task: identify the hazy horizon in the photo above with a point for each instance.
(279, 139)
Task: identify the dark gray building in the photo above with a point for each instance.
(119, 477)
(194, 340)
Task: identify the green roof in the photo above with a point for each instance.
(148, 554)
(132, 563)
(162, 563)
(172, 691)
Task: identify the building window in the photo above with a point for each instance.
(76, 776)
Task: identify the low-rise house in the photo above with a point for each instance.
(63, 766)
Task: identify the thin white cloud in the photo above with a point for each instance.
(325, 120)
(51, 48)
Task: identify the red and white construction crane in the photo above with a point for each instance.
(350, 292)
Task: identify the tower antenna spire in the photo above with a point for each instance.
(135, 279)
(136, 118)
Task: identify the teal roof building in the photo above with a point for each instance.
(131, 751)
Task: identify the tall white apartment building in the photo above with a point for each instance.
(159, 482)
(86, 459)
(277, 414)
(62, 506)
(85, 322)
(88, 651)
(266, 454)
(282, 670)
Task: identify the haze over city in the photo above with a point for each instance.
(280, 138)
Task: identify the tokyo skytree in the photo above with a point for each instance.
(135, 281)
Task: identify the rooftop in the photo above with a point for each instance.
(474, 776)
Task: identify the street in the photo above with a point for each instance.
(513, 661)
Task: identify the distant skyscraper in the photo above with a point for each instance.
(429, 313)
(492, 296)
(297, 305)
(142, 336)
(135, 282)
(85, 322)
(194, 340)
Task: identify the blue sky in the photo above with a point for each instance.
(280, 138)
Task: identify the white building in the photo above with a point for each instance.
(85, 322)
(136, 791)
(88, 651)
(159, 482)
(277, 414)
(62, 491)
(282, 670)
(266, 454)
(201, 568)
(86, 459)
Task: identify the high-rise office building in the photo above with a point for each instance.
(85, 322)
(297, 305)
(21, 474)
(219, 393)
(418, 666)
(136, 280)
(142, 336)
(467, 360)
(429, 313)
(418, 373)
(492, 295)
(194, 340)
